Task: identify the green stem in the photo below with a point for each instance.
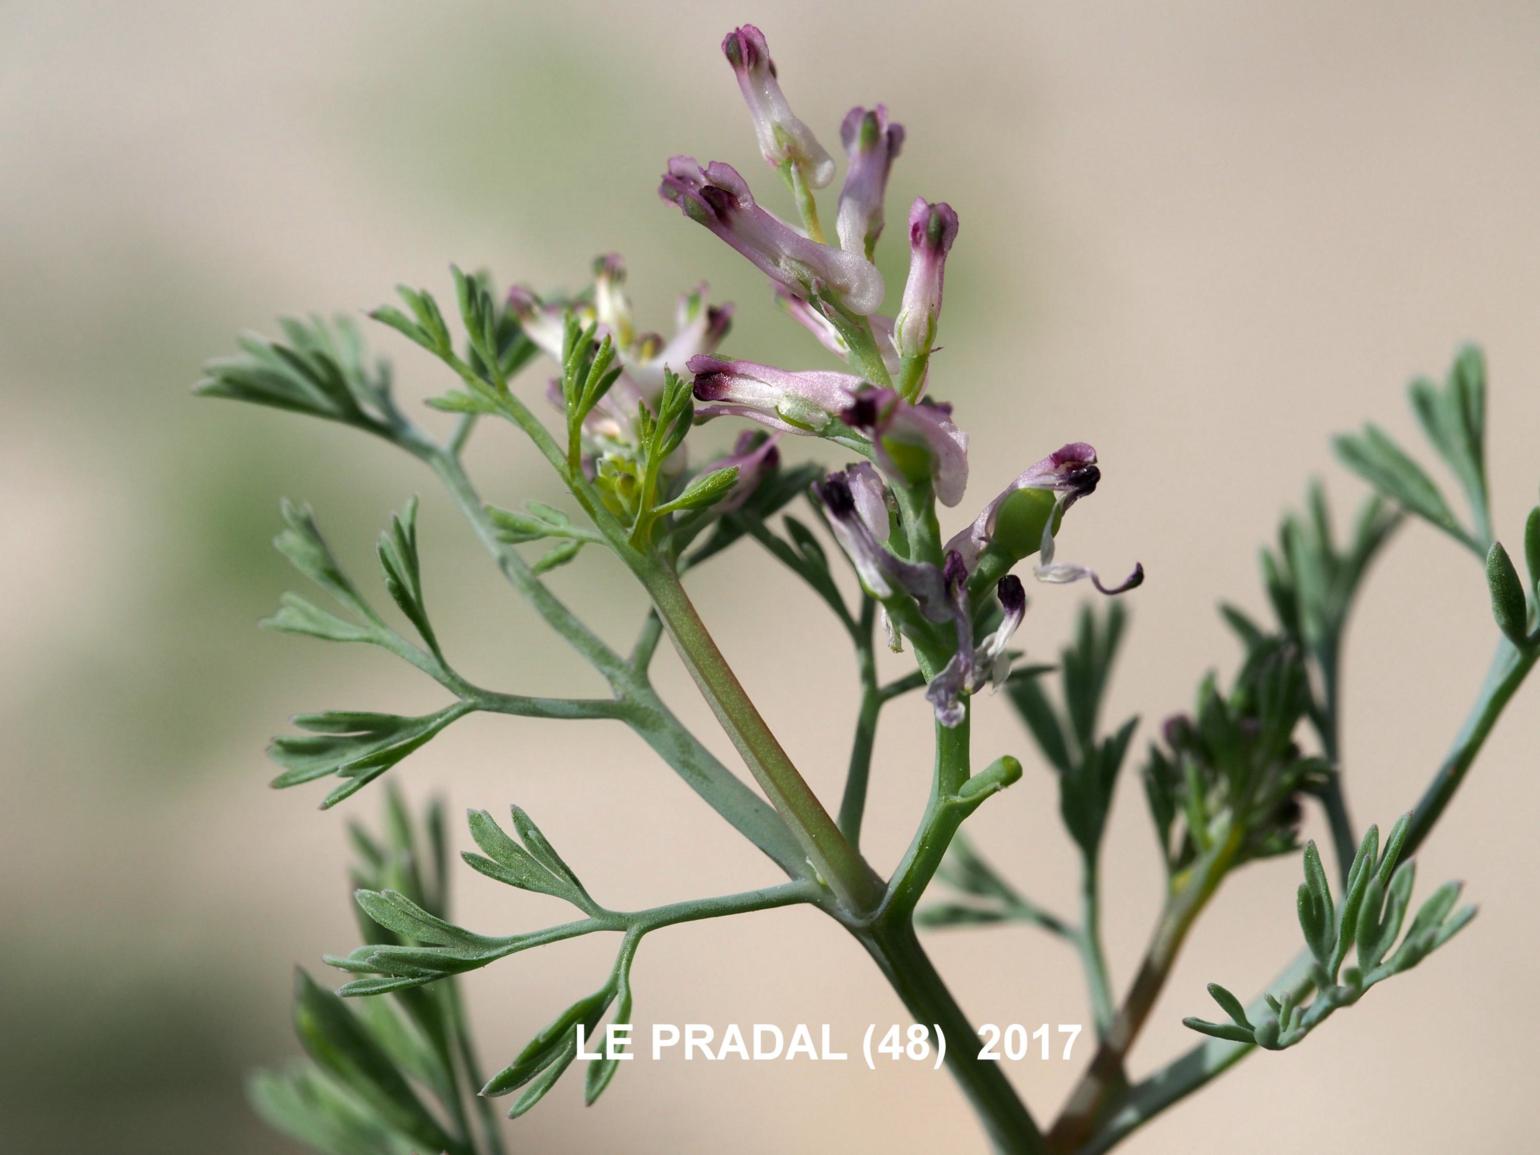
(641, 708)
(696, 909)
(943, 816)
(807, 204)
(858, 776)
(1092, 955)
(514, 568)
(897, 951)
(837, 862)
(1106, 1075)
(1343, 837)
(1509, 668)
(856, 332)
(646, 642)
(470, 1065)
(917, 510)
(1210, 1059)
(911, 375)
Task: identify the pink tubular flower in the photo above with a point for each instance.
(699, 328)
(932, 229)
(808, 402)
(1024, 518)
(913, 442)
(756, 456)
(871, 498)
(991, 663)
(783, 139)
(1014, 522)
(871, 144)
(856, 504)
(972, 668)
(542, 323)
(719, 198)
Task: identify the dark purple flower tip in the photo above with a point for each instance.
(862, 413)
(1176, 730)
(834, 492)
(1076, 469)
(611, 266)
(954, 571)
(1132, 581)
(719, 319)
(522, 299)
(746, 49)
(712, 379)
(932, 226)
(1013, 597)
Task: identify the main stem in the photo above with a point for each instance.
(897, 951)
(848, 875)
(1106, 1076)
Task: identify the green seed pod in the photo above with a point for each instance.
(1019, 522)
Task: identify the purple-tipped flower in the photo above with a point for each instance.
(914, 443)
(856, 502)
(791, 402)
(948, 686)
(932, 229)
(1014, 521)
(542, 323)
(1024, 518)
(719, 198)
(699, 328)
(991, 663)
(871, 143)
(756, 456)
(611, 305)
(783, 139)
(972, 668)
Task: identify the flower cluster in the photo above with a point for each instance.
(880, 407)
(876, 405)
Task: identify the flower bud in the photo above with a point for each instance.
(783, 139)
(932, 229)
(914, 443)
(756, 456)
(871, 143)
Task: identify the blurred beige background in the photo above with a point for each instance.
(1203, 236)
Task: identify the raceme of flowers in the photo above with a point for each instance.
(877, 406)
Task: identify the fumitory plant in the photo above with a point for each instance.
(392, 1066)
